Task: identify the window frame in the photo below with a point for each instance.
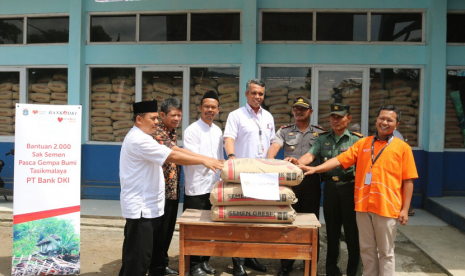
(367, 11)
(176, 12)
(462, 12)
(445, 88)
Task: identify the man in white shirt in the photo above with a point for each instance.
(143, 188)
(202, 136)
(249, 133)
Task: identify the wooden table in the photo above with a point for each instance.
(200, 236)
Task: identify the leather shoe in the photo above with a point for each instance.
(169, 271)
(197, 271)
(207, 268)
(238, 270)
(254, 264)
(284, 271)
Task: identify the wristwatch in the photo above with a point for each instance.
(231, 155)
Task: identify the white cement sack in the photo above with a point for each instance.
(119, 138)
(277, 91)
(62, 96)
(227, 88)
(123, 98)
(406, 110)
(123, 107)
(100, 96)
(280, 108)
(410, 136)
(100, 121)
(379, 94)
(261, 214)
(352, 102)
(395, 83)
(228, 107)
(146, 97)
(275, 100)
(163, 87)
(44, 80)
(121, 116)
(400, 91)
(60, 77)
(6, 86)
(7, 128)
(123, 124)
(121, 132)
(177, 90)
(123, 81)
(41, 88)
(282, 118)
(123, 89)
(352, 93)
(15, 95)
(379, 103)
(6, 120)
(196, 99)
(452, 120)
(102, 129)
(401, 100)
(7, 112)
(15, 87)
(202, 88)
(207, 81)
(101, 104)
(102, 88)
(40, 97)
(7, 95)
(275, 83)
(103, 137)
(58, 86)
(228, 98)
(101, 112)
(192, 90)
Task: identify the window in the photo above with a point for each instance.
(163, 27)
(112, 95)
(119, 28)
(456, 28)
(11, 31)
(396, 27)
(9, 97)
(48, 86)
(215, 27)
(283, 85)
(48, 30)
(341, 26)
(455, 103)
(287, 26)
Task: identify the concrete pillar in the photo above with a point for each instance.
(249, 45)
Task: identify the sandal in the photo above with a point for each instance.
(411, 212)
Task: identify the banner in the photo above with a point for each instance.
(47, 178)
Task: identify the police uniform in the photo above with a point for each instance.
(338, 199)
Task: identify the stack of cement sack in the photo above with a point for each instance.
(49, 90)
(279, 98)
(401, 94)
(230, 204)
(453, 137)
(9, 96)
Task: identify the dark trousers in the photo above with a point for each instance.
(138, 247)
(308, 194)
(168, 222)
(200, 202)
(339, 210)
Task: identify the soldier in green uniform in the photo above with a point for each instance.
(338, 199)
(296, 140)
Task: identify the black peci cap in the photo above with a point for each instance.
(145, 107)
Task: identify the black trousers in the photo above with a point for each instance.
(308, 194)
(200, 202)
(339, 211)
(138, 247)
(168, 222)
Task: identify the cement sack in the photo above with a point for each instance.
(222, 80)
(121, 116)
(207, 81)
(7, 128)
(41, 88)
(60, 77)
(406, 110)
(280, 108)
(102, 129)
(100, 121)
(400, 91)
(193, 114)
(299, 93)
(261, 214)
(123, 124)
(123, 89)
(6, 86)
(298, 85)
(224, 193)
(103, 137)
(452, 121)
(192, 90)
(410, 136)
(102, 80)
(282, 118)
(451, 111)
(179, 97)
(324, 117)
(290, 102)
(289, 174)
(409, 120)
(15, 95)
(7, 112)
(62, 96)
(453, 129)
(406, 128)
(58, 86)
(7, 95)
(326, 101)
(375, 85)
(224, 116)
(275, 100)
(379, 103)
(401, 101)
(415, 94)
(123, 107)
(275, 83)
(146, 88)
(100, 96)
(6, 134)
(228, 107)
(454, 145)
(229, 98)
(227, 88)
(352, 93)
(395, 83)
(146, 96)
(119, 138)
(219, 124)
(177, 90)
(356, 116)
(163, 87)
(454, 138)
(277, 91)
(122, 80)
(58, 102)
(352, 102)
(123, 98)
(101, 104)
(356, 109)
(45, 80)
(379, 94)
(196, 99)
(6, 120)
(15, 87)
(324, 108)
(202, 88)
(102, 88)
(121, 132)
(101, 112)
(40, 97)
(177, 82)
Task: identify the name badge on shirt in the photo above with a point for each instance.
(368, 178)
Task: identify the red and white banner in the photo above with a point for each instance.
(47, 178)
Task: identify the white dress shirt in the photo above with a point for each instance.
(141, 176)
(207, 140)
(242, 127)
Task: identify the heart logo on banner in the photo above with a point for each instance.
(60, 119)
(35, 111)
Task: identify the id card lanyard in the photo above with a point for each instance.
(262, 149)
(373, 159)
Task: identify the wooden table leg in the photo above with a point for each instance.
(314, 252)
(307, 267)
(182, 261)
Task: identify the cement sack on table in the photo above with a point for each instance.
(6, 120)
(219, 124)
(352, 102)
(58, 86)
(7, 95)
(121, 132)
(177, 90)
(163, 87)
(454, 137)
(224, 193)
(63, 96)
(379, 103)
(119, 138)
(122, 80)
(123, 98)
(40, 97)
(275, 100)
(15, 87)
(224, 116)
(102, 88)
(289, 174)
(103, 137)
(101, 104)
(277, 91)
(299, 93)
(100, 121)
(101, 112)
(123, 124)
(395, 83)
(222, 80)
(207, 81)
(227, 88)
(196, 99)
(123, 89)
(41, 88)
(228, 107)
(123, 107)
(453, 129)
(454, 145)
(375, 85)
(378, 94)
(229, 98)
(352, 93)
(400, 91)
(401, 100)
(298, 85)
(202, 88)
(121, 116)
(262, 214)
(406, 110)
(280, 108)
(7, 128)
(60, 77)
(58, 102)
(282, 118)
(102, 80)
(102, 129)
(6, 86)
(100, 96)
(7, 112)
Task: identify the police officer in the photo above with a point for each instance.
(338, 200)
(297, 139)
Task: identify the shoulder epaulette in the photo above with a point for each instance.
(286, 126)
(357, 134)
(319, 127)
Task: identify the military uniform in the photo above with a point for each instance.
(338, 200)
